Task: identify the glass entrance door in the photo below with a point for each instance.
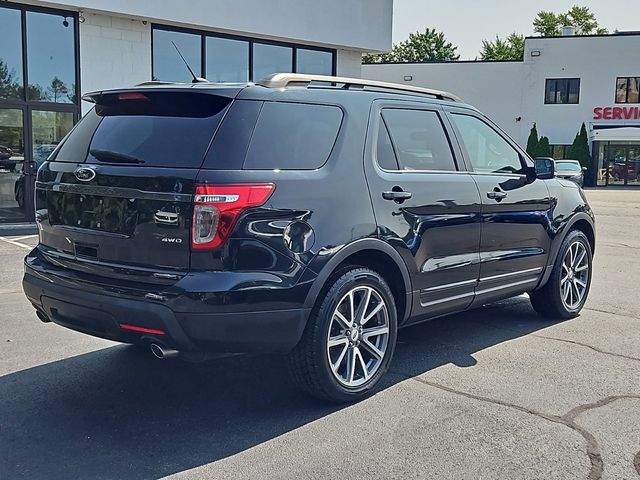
(13, 207)
(623, 165)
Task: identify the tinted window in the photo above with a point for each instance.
(51, 58)
(293, 136)
(169, 129)
(314, 62)
(10, 54)
(227, 60)
(385, 155)
(562, 91)
(268, 59)
(167, 64)
(419, 139)
(573, 167)
(487, 150)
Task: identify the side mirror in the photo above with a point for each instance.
(584, 169)
(545, 168)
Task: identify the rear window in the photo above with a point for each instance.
(293, 136)
(159, 130)
(570, 166)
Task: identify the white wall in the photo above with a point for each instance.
(490, 87)
(508, 90)
(114, 51)
(355, 24)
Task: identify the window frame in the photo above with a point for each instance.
(204, 34)
(38, 104)
(568, 81)
(459, 165)
(626, 98)
(525, 161)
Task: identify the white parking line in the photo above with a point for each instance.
(19, 239)
(17, 244)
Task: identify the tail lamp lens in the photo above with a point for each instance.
(217, 208)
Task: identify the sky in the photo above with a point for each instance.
(467, 22)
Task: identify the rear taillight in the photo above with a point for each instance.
(217, 208)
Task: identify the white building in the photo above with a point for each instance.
(53, 51)
(562, 82)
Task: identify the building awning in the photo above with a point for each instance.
(607, 133)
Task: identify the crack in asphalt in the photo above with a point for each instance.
(568, 419)
(618, 314)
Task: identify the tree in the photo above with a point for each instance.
(544, 148)
(579, 150)
(584, 20)
(511, 48)
(9, 87)
(420, 47)
(57, 88)
(532, 141)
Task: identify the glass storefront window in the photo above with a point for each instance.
(167, 64)
(11, 79)
(50, 58)
(12, 178)
(227, 60)
(48, 129)
(268, 59)
(314, 62)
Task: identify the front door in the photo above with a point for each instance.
(515, 240)
(623, 165)
(12, 156)
(426, 205)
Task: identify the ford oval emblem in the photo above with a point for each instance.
(85, 174)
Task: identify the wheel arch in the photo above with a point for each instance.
(376, 255)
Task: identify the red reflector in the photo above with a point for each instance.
(217, 208)
(133, 328)
(132, 96)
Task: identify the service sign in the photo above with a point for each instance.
(616, 113)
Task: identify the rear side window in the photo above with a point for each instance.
(156, 129)
(419, 139)
(293, 136)
(385, 155)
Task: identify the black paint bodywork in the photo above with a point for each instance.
(102, 258)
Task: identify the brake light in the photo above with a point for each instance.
(133, 96)
(217, 208)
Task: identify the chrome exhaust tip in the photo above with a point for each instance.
(162, 353)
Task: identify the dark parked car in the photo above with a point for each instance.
(304, 215)
(5, 158)
(571, 170)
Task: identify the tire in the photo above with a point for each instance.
(567, 289)
(310, 362)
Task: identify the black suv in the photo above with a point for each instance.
(303, 215)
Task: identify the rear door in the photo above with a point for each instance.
(515, 226)
(425, 204)
(116, 197)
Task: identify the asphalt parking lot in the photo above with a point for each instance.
(495, 393)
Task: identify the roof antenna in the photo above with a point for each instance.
(195, 79)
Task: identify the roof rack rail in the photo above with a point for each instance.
(284, 80)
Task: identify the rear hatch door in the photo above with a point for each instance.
(115, 199)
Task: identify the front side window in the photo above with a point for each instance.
(628, 90)
(487, 150)
(562, 91)
(419, 139)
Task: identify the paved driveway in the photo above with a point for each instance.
(496, 393)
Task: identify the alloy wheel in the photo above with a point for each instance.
(358, 336)
(575, 275)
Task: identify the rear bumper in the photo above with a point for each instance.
(64, 301)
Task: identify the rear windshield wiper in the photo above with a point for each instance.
(111, 156)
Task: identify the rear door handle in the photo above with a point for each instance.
(396, 196)
(497, 195)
